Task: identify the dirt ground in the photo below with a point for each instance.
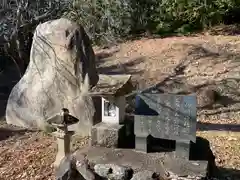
(181, 63)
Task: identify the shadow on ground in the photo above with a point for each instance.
(228, 173)
(218, 127)
(201, 151)
(5, 133)
(120, 68)
(232, 30)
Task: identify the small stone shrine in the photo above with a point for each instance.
(111, 89)
(165, 116)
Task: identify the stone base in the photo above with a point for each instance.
(183, 167)
(63, 142)
(107, 135)
(139, 161)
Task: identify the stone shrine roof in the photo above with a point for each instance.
(113, 85)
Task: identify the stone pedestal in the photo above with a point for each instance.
(141, 143)
(64, 144)
(107, 135)
(182, 149)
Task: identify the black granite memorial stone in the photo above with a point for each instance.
(165, 116)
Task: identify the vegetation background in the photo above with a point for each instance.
(108, 21)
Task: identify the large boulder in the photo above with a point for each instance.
(61, 56)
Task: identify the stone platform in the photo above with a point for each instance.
(139, 161)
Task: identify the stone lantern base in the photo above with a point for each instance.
(64, 144)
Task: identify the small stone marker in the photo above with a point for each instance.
(166, 116)
(61, 122)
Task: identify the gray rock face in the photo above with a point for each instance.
(83, 167)
(112, 171)
(67, 170)
(79, 166)
(146, 175)
(61, 56)
(173, 176)
(70, 169)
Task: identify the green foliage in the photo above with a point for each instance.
(104, 20)
(108, 20)
(183, 16)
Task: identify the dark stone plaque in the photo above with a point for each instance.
(166, 116)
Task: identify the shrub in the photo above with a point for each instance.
(168, 16)
(109, 20)
(104, 20)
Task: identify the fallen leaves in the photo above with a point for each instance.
(30, 156)
(226, 148)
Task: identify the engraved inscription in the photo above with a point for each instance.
(142, 125)
(175, 117)
(186, 120)
(167, 117)
(149, 126)
(158, 125)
